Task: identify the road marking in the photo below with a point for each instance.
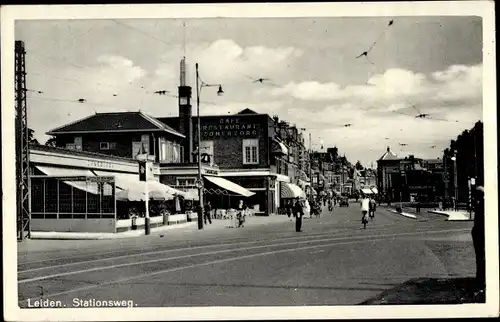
(174, 250)
(367, 237)
(317, 251)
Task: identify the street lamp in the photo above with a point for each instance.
(455, 175)
(199, 85)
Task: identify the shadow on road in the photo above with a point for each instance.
(431, 291)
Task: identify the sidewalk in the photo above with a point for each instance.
(460, 215)
(94, 236)
(430, 291)
(183, 228)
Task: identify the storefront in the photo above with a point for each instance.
(85, 192)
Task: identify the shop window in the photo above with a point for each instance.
(51, 195)
(250, 151)
(104, 146)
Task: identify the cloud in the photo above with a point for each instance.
(224, 61)
(458, 82)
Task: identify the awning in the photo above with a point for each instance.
(65, 172)
(375, 191)
(290, 190)
(230, 186)
(192, 194)
(130, 188)
(303, 183)
(279, 147)
(366, 191)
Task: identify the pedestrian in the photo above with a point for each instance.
(307, 208)
(453, 204)
(373, 207)
(478, 238)
(440, 204)
(298, 210)
(417, 204)
(365, 207)
(241, 214)
(207, 214)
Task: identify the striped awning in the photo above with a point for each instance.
(290, 190)
(230, 186)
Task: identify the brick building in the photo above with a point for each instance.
(249, 149)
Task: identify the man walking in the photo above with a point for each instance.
(207, 214)
(298, 210)
(478, 239)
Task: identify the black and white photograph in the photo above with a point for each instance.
(249, 161)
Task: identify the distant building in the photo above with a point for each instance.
(409, 177)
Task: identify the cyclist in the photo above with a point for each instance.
(365, 207)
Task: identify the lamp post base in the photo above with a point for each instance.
(147, 226)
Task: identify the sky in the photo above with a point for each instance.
(425, 64)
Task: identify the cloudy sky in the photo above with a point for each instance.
(432, 63)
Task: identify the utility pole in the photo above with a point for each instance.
(22, 145)
(310, 162)
(200, 178)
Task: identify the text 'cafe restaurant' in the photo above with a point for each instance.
(76, 191)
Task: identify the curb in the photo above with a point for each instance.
(404, 214)
(448, 216)
(90, 236)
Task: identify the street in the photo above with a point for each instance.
(332, 262)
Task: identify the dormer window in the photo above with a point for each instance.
(104, 146)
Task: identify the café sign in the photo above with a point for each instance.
(229, 127)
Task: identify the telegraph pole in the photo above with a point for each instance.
(22, 145)
(310, 165)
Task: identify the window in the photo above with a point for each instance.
(250, 151)
(112, 145)
(186, 182)
(70, 146)
(104, 146)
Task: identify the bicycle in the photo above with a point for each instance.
(364, 221)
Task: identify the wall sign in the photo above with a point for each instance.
(229, 127)
(100, 164)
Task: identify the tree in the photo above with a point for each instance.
(51, 142)
(359, 166)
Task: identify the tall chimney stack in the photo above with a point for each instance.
(185, 113)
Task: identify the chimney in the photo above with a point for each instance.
(185, 113)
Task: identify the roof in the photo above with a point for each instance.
(247, 111)
(115, 122)
(389, 155)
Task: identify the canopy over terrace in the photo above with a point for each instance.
(130, 188)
